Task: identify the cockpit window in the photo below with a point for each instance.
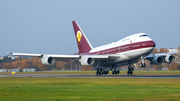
(143, 35)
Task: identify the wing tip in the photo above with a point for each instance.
(9, 53)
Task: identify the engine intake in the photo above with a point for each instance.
(169, 59)
(88, 61)
(47, 60)
(157, 60)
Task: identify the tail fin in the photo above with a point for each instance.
(83, 43)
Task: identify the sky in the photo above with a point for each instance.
(45, 26)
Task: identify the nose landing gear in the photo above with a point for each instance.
(143, 63)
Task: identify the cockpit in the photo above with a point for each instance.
(143, 35)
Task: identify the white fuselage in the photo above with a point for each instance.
(129, 49)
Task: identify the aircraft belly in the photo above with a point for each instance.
(131, 56)
(138, 52)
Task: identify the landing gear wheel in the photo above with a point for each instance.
(127, 72)
(96, 73)
(132, 69)
(107, 71)
(99, 73)
(118, 71)
(100, 69)
(142, 65)
(115, 72)
(131, 72)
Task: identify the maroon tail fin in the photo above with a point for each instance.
(83, 44)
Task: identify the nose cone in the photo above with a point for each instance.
(153, 44)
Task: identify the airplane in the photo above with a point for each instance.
(129, 50)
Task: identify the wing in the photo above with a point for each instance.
(65, 58)
(160, 55)
(98, 60)
(161, 58)
(25, 54)
(78, 59)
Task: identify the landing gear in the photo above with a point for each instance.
(143, 63)
(101, 72)
(115, 71)
(130, 70)
(97, 72)
(105, 72)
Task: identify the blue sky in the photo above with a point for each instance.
(45, 26)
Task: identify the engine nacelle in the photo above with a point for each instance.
(157, 60)
(88, 61)
(47, 60)
(169, 59)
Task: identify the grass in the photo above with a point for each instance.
(88, 89)
(93, 72)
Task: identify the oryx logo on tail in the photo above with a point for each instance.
(79, 35)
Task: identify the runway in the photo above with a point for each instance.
(92, 76)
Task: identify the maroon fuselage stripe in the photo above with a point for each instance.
(124, 48)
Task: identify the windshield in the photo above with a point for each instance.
(143, 35)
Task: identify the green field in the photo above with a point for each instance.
(84, 89)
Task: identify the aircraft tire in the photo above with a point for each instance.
(107, 71)
(99, 73)
(132, 69)
(96, 73)
(144, 65)
(141, 65)
(118, 71)
(100, 69)
(131, 72)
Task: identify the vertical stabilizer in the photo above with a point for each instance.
(83, 43)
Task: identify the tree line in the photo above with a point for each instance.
(35, 62)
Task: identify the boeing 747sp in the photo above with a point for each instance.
(123, 52)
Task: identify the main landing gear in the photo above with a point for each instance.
(101, 72)
(114, 70)
(130, 70)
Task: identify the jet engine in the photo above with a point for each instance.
(88, 61)
(157, 60)
(169, 59)
(47, 60)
